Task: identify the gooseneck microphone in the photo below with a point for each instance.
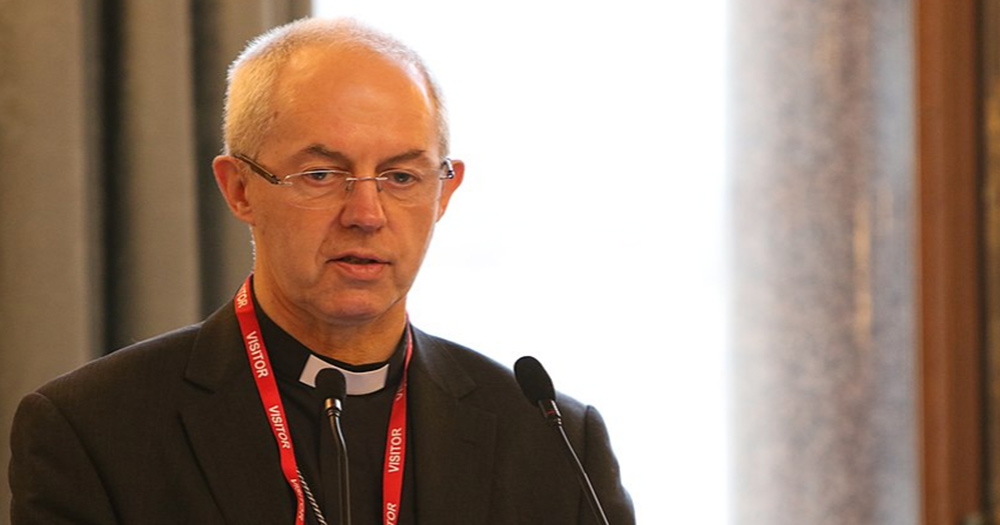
(332, 387)
(537, 387)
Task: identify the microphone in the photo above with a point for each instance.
(332, 387)
(537, 387)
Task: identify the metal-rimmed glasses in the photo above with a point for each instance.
(328, 188)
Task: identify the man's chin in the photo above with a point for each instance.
(360, 312)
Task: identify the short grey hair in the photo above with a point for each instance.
(248, 112)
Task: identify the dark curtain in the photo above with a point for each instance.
(111, 227)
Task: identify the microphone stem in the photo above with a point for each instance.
(333, 413)
(554, 418)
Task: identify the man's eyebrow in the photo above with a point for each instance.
(322, 151)
(413, 154)
(341, 158)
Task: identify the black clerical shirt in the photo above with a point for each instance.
(365, 422)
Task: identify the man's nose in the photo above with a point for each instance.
(363, 206)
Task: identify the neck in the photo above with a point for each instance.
(353, 342)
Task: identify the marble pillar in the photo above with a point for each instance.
(821, 175)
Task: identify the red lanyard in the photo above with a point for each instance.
(395, 446)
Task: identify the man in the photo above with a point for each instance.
(336, 157)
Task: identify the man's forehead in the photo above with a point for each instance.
(348, 63)
(338, 95)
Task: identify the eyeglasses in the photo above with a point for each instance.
(329, 188)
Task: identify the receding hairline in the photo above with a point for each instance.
(322, 54)
(281, 42)
(253, 76)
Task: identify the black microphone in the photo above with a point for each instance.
(332, 387)
(537, 387)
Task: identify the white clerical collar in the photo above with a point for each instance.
(358, 383)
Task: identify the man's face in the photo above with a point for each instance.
(353, 263)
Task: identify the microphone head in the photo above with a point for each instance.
(534, 381)
(330, 384)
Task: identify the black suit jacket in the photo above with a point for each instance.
(171, 430)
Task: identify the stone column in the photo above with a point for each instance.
(823, 317)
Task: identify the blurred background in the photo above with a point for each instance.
(758, 235)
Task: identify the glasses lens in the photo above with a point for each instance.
(324, 189)
(318, 188)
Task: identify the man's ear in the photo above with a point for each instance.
(233, 184)
(449, 186)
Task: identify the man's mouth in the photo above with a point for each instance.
(361, 267)
(352, 259)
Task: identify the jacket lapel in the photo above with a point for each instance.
(454, 442)
(229, 433)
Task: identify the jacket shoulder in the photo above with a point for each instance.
(136, 366)
(526, 449)
(487, 378)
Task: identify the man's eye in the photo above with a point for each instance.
(400, 177)
(320, 176)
